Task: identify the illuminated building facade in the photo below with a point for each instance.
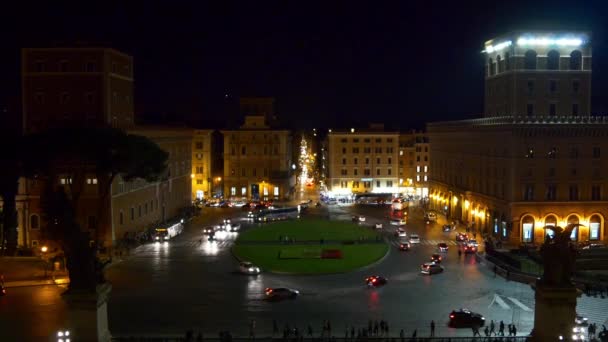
(414, 164)
(258, 162)
(363, 161)
(202, 182)
(512, 175)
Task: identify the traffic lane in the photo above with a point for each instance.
(33, 313)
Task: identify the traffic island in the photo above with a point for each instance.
(310, 247)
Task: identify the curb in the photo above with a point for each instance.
(24, 283)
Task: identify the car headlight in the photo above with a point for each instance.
(157, 238)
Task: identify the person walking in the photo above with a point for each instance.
(510, 329)
(275, 328)
(501, 328)
(352, 332)
(432, 328)
(415, 333)
(514, 330)
(476, 331)
(402, 335)
(252, 329)
(309, 330)
(328, 328)
(492, 327)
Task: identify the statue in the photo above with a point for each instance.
(558, 256)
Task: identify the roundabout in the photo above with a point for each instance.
(310, 247)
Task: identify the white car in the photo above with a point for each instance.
(378, 225)
(472, 242)
(359, 218)
(414, 238)
(400, 232)
(398, 222)
(246, 267)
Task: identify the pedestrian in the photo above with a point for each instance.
(486, 331)
(199, 337)
(352, 332)
(501, 328)
(370, 325)
(432, 328)
(492, 331)
(510, 329)
(402, 335)
(309, 330)
(590, 331)
(252, 329)
(275, 328)
(414, 333)
(386, 328)
(514, 330)
(476, 331)
(328, 328)
(376, 328)
(495, 270)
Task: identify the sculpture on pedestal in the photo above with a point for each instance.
(558, 255)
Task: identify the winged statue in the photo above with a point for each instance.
(558, 256)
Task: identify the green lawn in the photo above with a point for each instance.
(274, 257)
(267, 257)
(302, 230)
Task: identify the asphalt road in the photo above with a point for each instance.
(166, 289)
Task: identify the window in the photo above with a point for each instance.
(378, 161)
(418, 168)
(343, 161)
(356, 172)
(91, 67)
(426, 168)
(355, 184)
(551, 192)
(139, 211)
(355, 161)
(63, 66)
(594, 227)
(233, 190)
(417, 178)
(367, 161)
(530, 87)
(552, 153)
(91, 181)
(343, 140)
(574, 152)
(243, 190)
(64, 181)
(400, 152)
(367, 149)
(552, 109)
(121, 217)
(344, 184)
(596, 194)
(343, 150)
(530, 109)
(378, 183)
(233, 150)
(146, 208)
(34, 221)
(530, 60)
(366, 140)
(389, 172)
(356, 140)
(389, 150)
(527, 225)
(576, 59)
(390, 160)
(553, 60)
(132, 213)
(343, 172)
(378, 149)
(378, 140)
(552, 86)
(243, 172)
(529, 192)
(596, 152)
(39, 98)
(377, 172)
(576, 84)
(243, 150)
(198, 145)
(199, 181)
(64, 98)
(367, 172)
(276, 191)
(575, 109)
(389, 184)
(573, 219)
(417, 158)
(573, 193)
(39, 66)
(199, 169)
(426, 158)
(426, 178)
(355, 150)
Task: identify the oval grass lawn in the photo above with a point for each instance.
(295, 246)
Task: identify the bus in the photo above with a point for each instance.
(268, 215)
(373, 198)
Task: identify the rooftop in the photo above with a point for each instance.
(524, 120)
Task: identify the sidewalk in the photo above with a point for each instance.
(30, 271)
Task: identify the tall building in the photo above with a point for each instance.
(525, 166)
(538, 74)
(258, 162)
(76, 87)
(363, 161)
(93, 87)
(414, 164)
(202, 182)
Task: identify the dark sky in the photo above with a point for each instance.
(329, 64)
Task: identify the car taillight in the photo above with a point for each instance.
(374, 280)
(451, 316)
(268, 290)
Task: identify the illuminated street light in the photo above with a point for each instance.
(44, 249)
(192, 175)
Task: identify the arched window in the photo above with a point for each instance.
(576, 60)
(530, 60)
(490, 67)
(507, 62)
(595, 227)
(499, 64)
(34, 221)
(550, 221)
(573, 219)
(527, 228)
(553, 60)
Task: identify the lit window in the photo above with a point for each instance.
(418, 168)
(425, 178)
(243, 191)
(265, 191)
(418, 178)
(233, 190)
(426, 168)
(276, 191)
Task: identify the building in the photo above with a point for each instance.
(259, 106)
(84, 87)
(414, 164)
(512, 173)
(258, 162)
(363, 161)
(202, 182)
(76, 87)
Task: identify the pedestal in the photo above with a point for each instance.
(554, 313)
(87, 318)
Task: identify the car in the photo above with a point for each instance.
(404, 246)
(436, 258)
(378, 225)
(398, 222)
(375, 281)
(247, 206)
(580, 320)
(358, 218)
(464, 318)
(594, 246)
(472, 242)
(280, 293)
(414, 238)
(430, 268)
(246, 267)
(235, 227)
(208, 230)
(468, 249)
(442, 247)
(447, 228)
(460, 237)
(400, 232)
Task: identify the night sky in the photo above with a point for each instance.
(328, 64)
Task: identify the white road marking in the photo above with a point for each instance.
(520, 304)
(500, 302)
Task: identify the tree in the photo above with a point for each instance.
(72, 155)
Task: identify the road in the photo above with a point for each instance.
(166, 289)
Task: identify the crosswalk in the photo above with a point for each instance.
(508, 303)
